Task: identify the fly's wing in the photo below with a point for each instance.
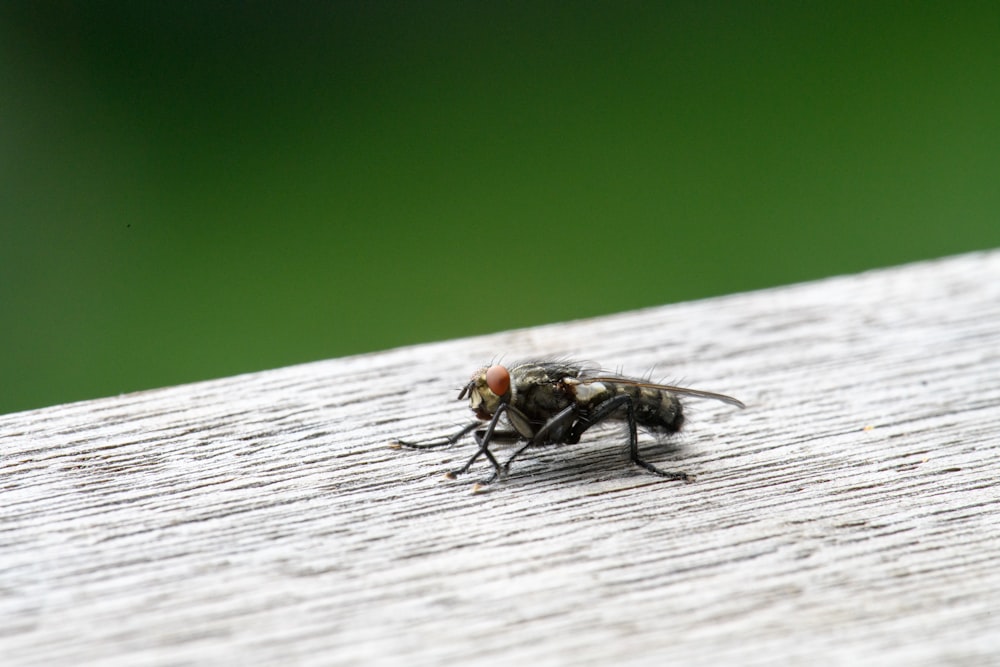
(684, 391)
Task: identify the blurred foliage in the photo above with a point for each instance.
(196, 189)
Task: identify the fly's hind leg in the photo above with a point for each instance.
(605, 410)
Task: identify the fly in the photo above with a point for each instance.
(553, 403)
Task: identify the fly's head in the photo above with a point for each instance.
(488, 388)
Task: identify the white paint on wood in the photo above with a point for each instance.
(850, 512)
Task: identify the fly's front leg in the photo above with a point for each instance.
(605, 410)
(484, 446)
(447, 442)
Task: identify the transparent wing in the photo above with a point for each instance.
(686, 391)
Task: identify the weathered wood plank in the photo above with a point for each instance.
(851, 511)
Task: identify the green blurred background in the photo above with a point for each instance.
(197, 189)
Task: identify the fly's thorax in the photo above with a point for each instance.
(539, 392)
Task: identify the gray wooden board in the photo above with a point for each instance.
(849, 512)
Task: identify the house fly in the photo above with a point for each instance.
(554, 403)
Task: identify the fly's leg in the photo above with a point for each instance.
(484, 446)
(544, 434)
(447, 442)
(605, 410)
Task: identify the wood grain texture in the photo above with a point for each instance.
(850, 512)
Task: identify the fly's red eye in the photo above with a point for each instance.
(498, 380)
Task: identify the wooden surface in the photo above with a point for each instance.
(850, 512)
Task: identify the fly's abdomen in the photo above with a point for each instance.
(655, 409)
